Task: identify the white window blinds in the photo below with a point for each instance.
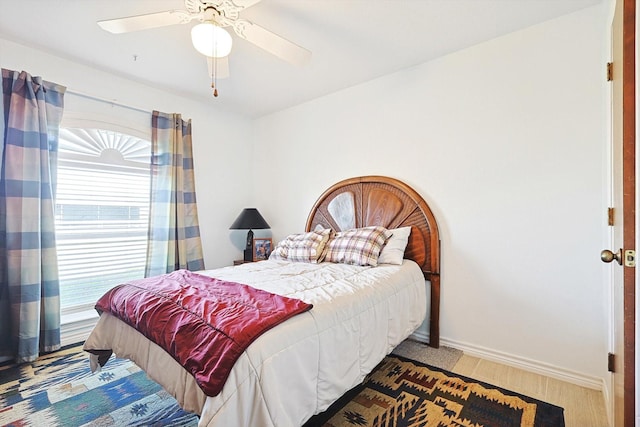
(102, 213)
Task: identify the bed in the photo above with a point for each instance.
(299, 367)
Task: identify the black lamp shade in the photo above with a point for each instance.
(249, 218)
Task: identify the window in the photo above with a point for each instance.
(102, 213)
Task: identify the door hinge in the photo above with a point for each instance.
(610, 215)
(609, 71)
(611, 362)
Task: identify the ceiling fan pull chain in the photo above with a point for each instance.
(214, 76)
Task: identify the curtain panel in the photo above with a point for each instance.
(31, 111)
(174, 234)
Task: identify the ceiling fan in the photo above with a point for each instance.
(209, 37)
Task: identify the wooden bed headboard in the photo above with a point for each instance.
(379, 200)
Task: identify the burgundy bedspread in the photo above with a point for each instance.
(204, 323)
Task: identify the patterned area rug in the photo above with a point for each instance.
(404, 393)
(60, 390)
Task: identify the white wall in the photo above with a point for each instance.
(221, 141)
(506, 141)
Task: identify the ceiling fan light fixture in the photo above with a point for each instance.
(211, 40)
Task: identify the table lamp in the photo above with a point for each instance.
(249, 219)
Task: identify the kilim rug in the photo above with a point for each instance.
(401, 392)
(59, 389)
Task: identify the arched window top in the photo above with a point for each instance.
(104, 146)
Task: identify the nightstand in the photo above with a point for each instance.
(240, 261)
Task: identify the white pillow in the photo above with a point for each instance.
(393, 251)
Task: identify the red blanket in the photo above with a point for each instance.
(204, 323)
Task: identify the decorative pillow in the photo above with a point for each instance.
(359, 246)
(279, 252)
(306, 247)
(393, 250)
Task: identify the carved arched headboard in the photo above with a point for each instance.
(379, 200)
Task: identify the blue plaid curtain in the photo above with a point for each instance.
(174, 234)
(29, 288)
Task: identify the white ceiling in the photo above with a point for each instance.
(352, 41)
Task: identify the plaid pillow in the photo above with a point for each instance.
(360, 246)
(306, 247)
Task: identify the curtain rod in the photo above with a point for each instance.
(107, 101)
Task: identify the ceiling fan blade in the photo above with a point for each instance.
(271, 42)
(221, 67)
(245, 3)
(144, 22)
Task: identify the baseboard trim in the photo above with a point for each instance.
(519, 362)
(527, 364)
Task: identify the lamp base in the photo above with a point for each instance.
(248, 252)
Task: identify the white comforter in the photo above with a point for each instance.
(301, 366)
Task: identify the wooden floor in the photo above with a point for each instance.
(583, 407)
